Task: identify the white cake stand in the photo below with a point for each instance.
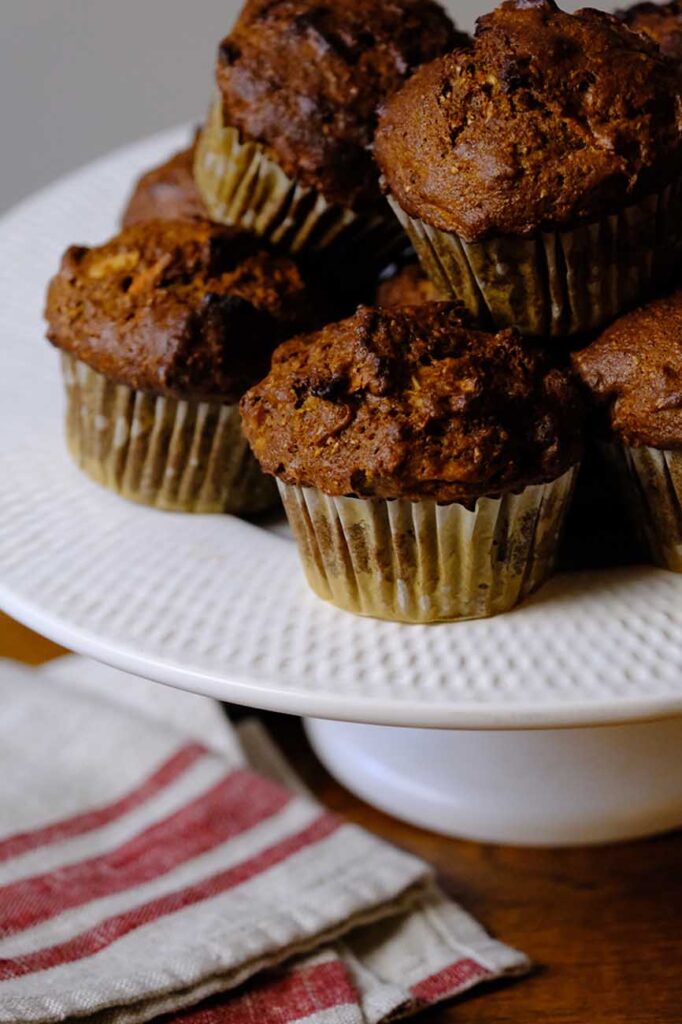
(558, 723)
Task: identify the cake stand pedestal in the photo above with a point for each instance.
(561, 787)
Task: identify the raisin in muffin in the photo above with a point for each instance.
(425, 466)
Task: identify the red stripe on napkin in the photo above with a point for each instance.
(170, 770)
(235, 804)
(299, 994)
(114, 928)
(449, 981)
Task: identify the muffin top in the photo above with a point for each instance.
(660, 22)
(179, 308)
(409, 286)
(549, 118)
(166, 192)
(412, 403)
(634, 373)
(305, 79)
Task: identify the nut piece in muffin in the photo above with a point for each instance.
(408, 286)
(286, 151)
(161, 330)
(166, 192)
(634, 375)
(538, 172)
(660, 22)
(425, 466)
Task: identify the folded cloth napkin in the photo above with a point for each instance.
(156, 861)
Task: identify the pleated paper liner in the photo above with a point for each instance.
(557, 283)
(182, 456)
(652, 478)
(423, 562)
(242, 186)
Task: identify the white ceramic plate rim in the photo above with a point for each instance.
(269, 697)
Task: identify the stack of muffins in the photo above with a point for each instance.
(376, 279)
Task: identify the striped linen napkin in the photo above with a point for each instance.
(155, 861)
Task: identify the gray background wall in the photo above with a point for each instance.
(80, 77)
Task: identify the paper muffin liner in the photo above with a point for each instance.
(242, 186)
(556, 283)
(653, 477)
(182, 456)
(424, 562)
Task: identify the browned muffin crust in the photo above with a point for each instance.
(549, 119)
(409, 286)
(634, 374)
(190, 310)
(166, 192)
(305, 79)
(660, 22)
(412, 403)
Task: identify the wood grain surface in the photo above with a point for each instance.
(604, 926)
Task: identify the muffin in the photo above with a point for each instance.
(538, 173)
(660, 22)
(634, 375)
(286, 148)
(408, 286)
(161, 331)
(166, 192)
(425, 466)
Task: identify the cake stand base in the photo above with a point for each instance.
(562, 787)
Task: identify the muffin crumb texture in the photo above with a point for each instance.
(413, 403)
(188, 310)
(409, 286)
(660, 22)
(549, 119)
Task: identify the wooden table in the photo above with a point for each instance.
(604, 926)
